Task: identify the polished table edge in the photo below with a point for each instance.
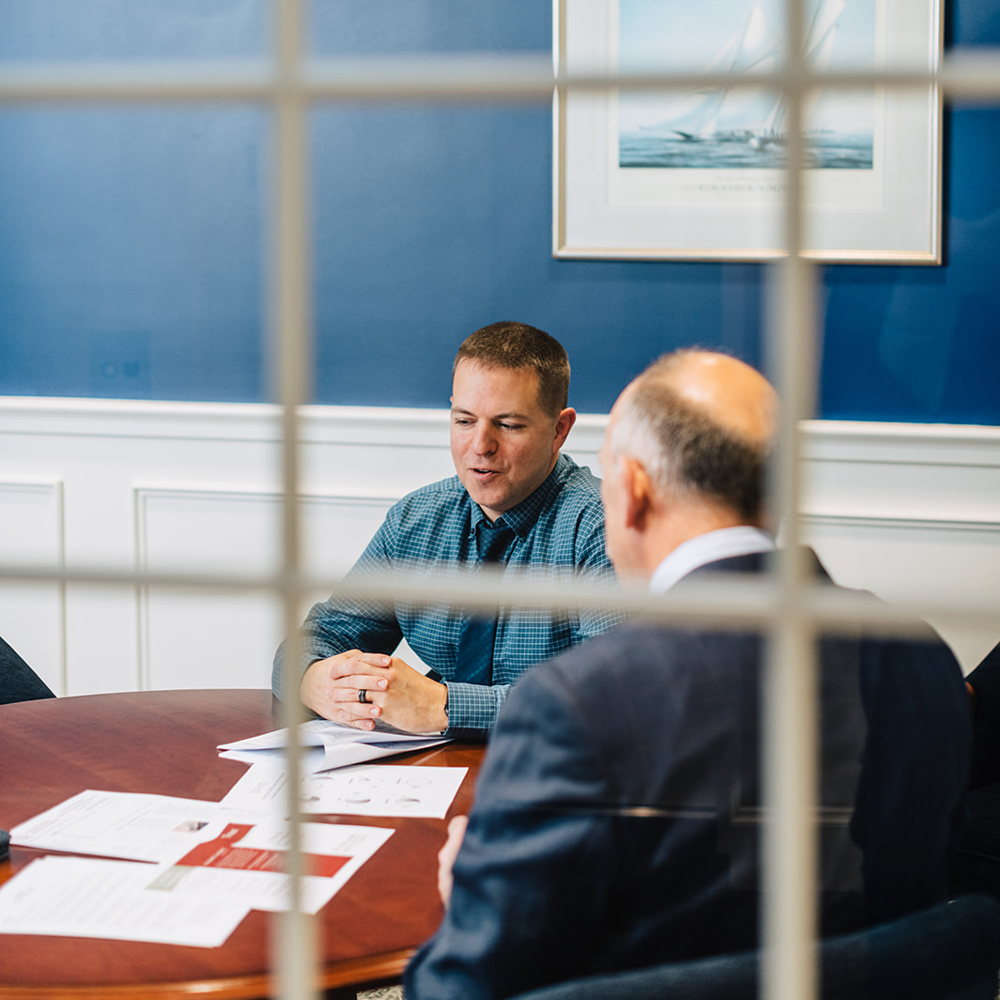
(353, 973)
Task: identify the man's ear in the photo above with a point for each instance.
(564, 424)
(638, 493)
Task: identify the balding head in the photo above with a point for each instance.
(701, 424)
(728, 392)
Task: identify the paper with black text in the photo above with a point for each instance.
(98, 898)
(361, 790)
(118, 825)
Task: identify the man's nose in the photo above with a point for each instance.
(484, 442)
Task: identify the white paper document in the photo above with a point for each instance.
(94, 897)
(361, 790)
(118, 825)
(342, 745)
(312, 758)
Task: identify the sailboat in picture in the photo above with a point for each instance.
(737, 125)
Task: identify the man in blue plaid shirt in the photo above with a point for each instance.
(509, 419)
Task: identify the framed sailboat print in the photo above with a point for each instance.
(699, 173)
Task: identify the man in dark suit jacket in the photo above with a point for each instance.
(615, 823)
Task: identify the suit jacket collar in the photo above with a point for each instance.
(761, 562)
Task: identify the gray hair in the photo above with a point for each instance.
(685, 452)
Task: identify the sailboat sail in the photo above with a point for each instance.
(721, 114)
(816, 50)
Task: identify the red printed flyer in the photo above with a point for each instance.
(225, 852)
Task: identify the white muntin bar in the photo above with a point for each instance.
(727, 601)
(441, 77)
(295, 957)
(788, 968)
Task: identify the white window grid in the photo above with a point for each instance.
(786, 607)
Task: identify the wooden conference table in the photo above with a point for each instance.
(164, 742)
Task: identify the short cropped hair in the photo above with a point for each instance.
(684, 451)
(516, 345)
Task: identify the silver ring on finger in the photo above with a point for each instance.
(363, 697)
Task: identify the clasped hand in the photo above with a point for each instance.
(394, 692)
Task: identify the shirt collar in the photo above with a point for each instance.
(521, 519)
(724, 543)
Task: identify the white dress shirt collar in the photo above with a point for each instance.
(724, 543)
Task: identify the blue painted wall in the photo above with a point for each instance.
(132, 239)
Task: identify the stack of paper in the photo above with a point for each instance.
(328, 745)
(208, 868)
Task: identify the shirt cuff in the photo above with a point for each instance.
(473, 708)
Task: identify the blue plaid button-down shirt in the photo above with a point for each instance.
(560, 526)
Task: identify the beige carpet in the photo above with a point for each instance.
(383, 993)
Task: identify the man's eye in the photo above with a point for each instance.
(511, 427)
(462, 421)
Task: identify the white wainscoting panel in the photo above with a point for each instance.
(206, 530)
(904, 561)
(909, 511)
(912, 513)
